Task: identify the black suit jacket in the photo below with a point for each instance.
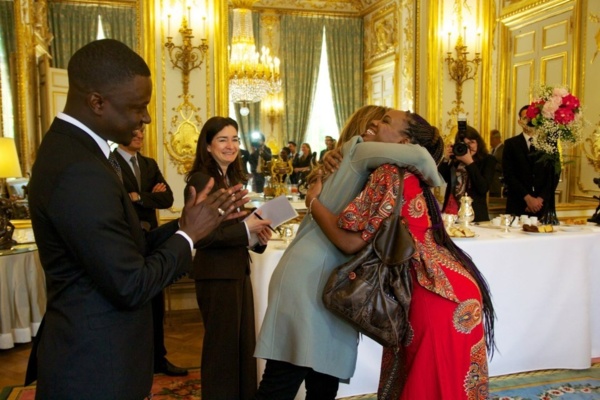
(224, 253)
(150, 176)
(481, 173)
(524, 175)
(101, 272)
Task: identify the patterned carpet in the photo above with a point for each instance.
(538, 385)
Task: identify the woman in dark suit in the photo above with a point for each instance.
(471, 173)
(221, 269)
(303, 164)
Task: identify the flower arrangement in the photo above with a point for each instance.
(557, 116)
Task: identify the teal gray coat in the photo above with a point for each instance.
(297, 328)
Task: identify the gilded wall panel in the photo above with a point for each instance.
(554, 69)
(589, 63)
(524, 44)
(555, 34)
(523, 75)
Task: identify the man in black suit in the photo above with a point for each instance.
(529, 181)
(101, 269)
(261, 154)
(148, 191)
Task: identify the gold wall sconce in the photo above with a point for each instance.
(272, 106)
(461, 69)
(180, 142)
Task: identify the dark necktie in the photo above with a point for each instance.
(136, 170)
(531, 146)
(112, 159)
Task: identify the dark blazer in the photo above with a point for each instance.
(151, 175)
(101, 272)
(481, 173)
(224, 253)
(524, 175)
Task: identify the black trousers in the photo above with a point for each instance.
(282, 380)
(158, 315)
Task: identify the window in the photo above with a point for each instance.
(7, 119)
(322, 121)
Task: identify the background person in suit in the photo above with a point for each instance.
(497, 149)
(528, 181)
(304, 163)
(329, 145)
(148, 191)
(101, 269)
(261, 153)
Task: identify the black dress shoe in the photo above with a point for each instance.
(169, 369)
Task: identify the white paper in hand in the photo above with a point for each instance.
(279, 211)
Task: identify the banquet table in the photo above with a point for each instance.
(22, 295)
(544, 289)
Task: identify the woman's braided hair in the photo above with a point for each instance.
(422, 133)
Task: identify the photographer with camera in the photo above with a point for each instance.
(468, 168)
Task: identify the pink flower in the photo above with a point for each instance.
(564, 115)
(560, 91)
(570, 101)
(550, 106)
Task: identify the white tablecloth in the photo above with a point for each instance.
(544, 289)
(22, 297)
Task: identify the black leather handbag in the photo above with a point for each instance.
(373, 290)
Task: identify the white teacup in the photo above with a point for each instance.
(533, 220)
(496, 221)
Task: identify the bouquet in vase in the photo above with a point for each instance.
(558, 119)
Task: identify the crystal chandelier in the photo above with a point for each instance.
(252, 76)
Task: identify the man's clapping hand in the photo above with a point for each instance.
(202, 212)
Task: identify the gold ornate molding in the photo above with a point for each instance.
(408, 87)
(25, 69)
(330, 7)
(382, 38)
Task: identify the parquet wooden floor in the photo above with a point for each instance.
(183, 339)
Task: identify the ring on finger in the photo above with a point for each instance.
(221, 211)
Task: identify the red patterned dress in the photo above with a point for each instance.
(445, 357)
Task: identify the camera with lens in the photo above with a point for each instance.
(460, 148)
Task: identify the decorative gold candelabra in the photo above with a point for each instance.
(180, 142)
(279, 170)
(186, 57)
(461, 69)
